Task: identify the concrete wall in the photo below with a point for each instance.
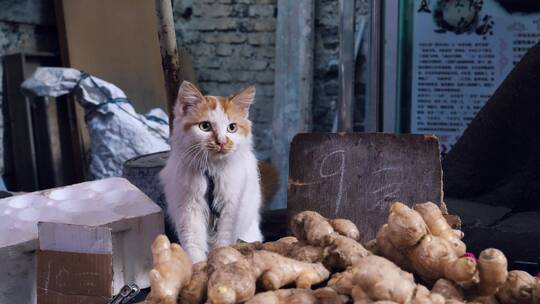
(25, 26)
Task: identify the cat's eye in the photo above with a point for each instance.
(205, 126)
(231, 128)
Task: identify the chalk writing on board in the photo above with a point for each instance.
(340, 170)
(387, 193)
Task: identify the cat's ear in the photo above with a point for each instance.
(244, 99)
(188, 96)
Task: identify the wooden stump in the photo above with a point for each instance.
(143, 172)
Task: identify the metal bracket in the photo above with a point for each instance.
(126, 294)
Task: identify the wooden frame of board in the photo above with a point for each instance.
(42, 151)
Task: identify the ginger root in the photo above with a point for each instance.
(342, 282)
(339, 237)
(418, 240)
(344, 252)
(195, 291)
(232, 283)
(172, 271)
(438, 226)
(320, 231)
(518, 288)
(407, 241)
(298, 296)
(277, 271)
(235, 282)
(448, 289)
(284, 296)
(492, 269)
(378, 279)
(289, 247)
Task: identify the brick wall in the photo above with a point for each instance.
(232, 45)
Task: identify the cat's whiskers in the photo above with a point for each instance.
(188, 152)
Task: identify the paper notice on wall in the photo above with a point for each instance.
(462, 51)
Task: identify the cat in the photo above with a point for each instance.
(211, 178)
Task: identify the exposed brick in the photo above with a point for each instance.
(247, 50)
(216, 10)
(232, 38)
(207, 62)
(216, 24)
(266, 51)
(244, 64)
(265, 25)
(265, 77)
(224, 49)
(215, 75)
(265, 90)
(261, 38)
(262, 10)
(240, 10)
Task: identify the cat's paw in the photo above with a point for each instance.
(197, 255)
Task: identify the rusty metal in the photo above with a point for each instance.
(169, 53)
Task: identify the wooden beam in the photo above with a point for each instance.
(293, 83)
(20, 119)
(346, 66)
(169, 53)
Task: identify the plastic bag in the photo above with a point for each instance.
(117, 132)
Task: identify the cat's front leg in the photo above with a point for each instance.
(226, 226)
(193, 230)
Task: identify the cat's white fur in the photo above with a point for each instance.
(236, 176)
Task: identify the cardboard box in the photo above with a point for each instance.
(74, 264)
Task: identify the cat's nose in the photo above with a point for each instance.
(221, 142)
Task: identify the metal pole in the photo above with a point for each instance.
(169, 53)
(374, 87)
(346, 66)
(390, 67)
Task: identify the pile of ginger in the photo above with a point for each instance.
(415, 258)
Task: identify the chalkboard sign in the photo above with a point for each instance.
(358, 176)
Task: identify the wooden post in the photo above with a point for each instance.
(169, 53)
(293, 83)
(346, 66)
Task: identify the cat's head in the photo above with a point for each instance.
(214, 124)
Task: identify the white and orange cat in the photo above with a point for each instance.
(211, 179)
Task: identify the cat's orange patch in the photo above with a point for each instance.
(199, 113)
(236, 115)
